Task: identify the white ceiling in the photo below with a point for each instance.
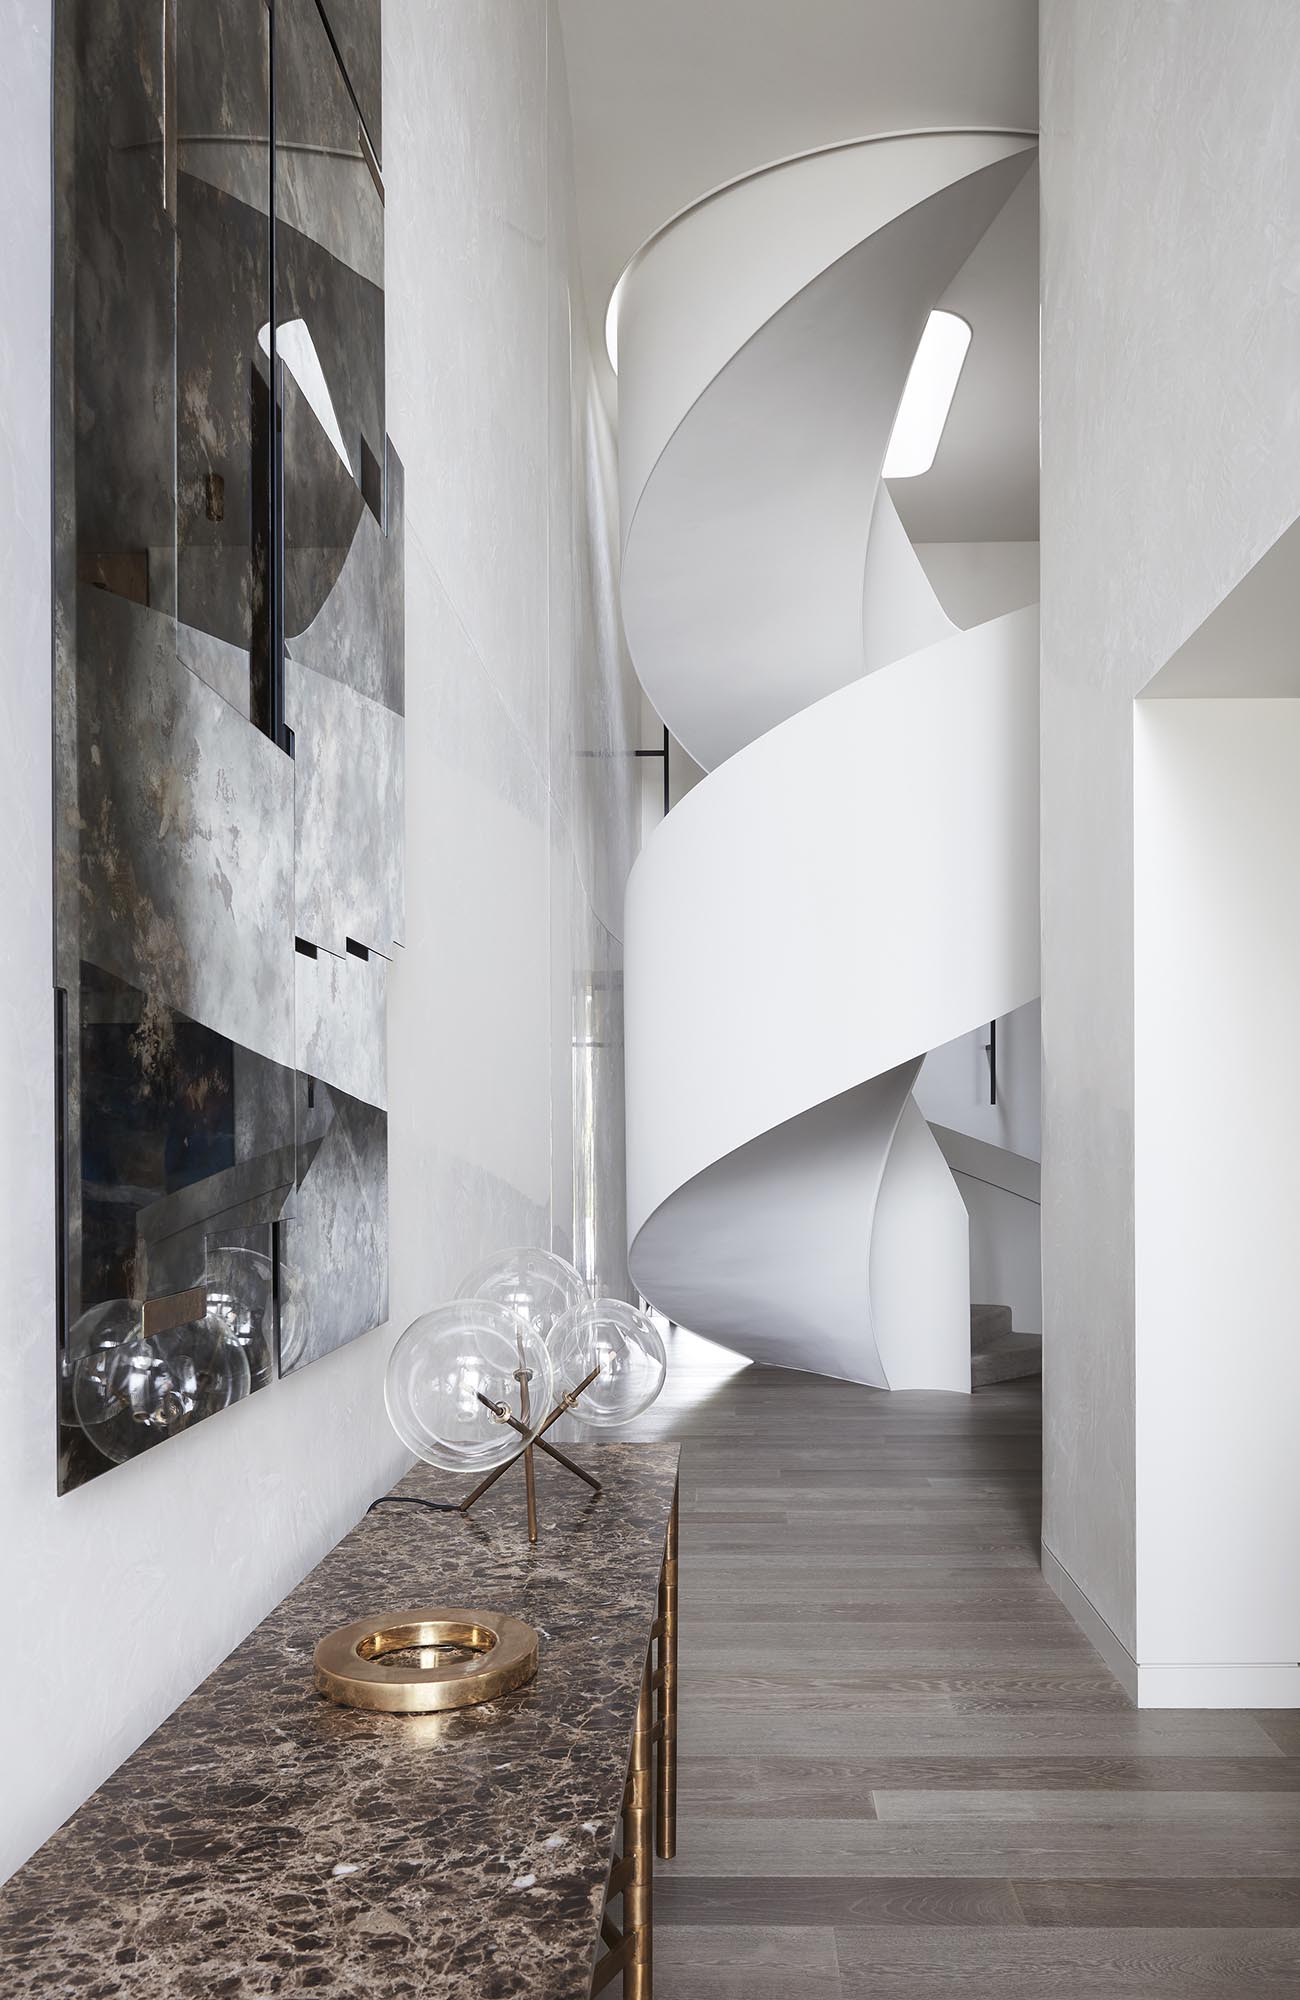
(673, 98)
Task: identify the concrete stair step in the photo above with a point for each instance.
(1006, 1358)
(988, 1323)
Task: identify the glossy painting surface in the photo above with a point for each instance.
(228, 706)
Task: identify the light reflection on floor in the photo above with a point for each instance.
(698, 1374)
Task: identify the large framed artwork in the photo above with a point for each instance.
(228, 705)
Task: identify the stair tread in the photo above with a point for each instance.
(988, 1322)
(1006, 1359)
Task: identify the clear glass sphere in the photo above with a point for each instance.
(240, 1285)
(454, 1378)
(130, 1389)
(536, 1284)
(624, 1349)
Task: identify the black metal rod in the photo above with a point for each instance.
(991, 1051)
(665, 753)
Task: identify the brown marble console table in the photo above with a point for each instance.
(264, 1842)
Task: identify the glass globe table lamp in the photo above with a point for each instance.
(474, 1385)
(541, 1287)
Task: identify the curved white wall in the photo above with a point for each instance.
(705, 284)
(808, 917)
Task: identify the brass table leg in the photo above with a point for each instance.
(638, 1811)
(666, 1686)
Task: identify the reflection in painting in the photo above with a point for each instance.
(228, 705)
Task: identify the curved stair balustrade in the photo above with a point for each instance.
(855, 880)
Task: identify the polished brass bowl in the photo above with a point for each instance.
(351, 1665)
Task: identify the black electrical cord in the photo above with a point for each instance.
(410, 1500)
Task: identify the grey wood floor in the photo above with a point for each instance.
(904, 1772)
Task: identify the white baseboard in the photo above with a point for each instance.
(1219, 1687)
(1162, 1686)
(1094, 1627)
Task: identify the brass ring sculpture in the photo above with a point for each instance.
(350, 1665)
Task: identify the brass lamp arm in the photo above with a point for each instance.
(561, 1409)
(551, 1450)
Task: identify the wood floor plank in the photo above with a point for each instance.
(824, 1651)
(895, 1692)
(841, 1788)
(720, 1728)
(763, 1962)
(903, 1964)
(841, 1902)
(1247, 1901)
(1071, 1686)
(991, 1608)
(892, 1510)
(1282, 1726)
(883, 1487)
(757, 1555)
(1002, 1589)
(1026, 1849)
(1246, 1816)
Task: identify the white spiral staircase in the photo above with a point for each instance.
(856, 880)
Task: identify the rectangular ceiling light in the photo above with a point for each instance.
(927, 396)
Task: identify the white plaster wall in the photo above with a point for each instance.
(1001, 1191)
(1217, 982)
(978, 580)
(1170, 447)
(953, 1092)
(975, 581)
(521, 825)
(1005, 1266)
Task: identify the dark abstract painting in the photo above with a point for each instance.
(228, 705)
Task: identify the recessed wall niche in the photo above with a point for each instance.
(228, 705)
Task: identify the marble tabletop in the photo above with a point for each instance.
(265, 1842)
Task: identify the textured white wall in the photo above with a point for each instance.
(1170, 447)
(521, 826)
